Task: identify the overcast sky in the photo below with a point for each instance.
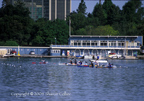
(90, 4)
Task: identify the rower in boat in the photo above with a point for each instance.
(97, 64)
(79, 63)
(71, 61)
(97, 57)
(110, 66)
(92, 64)
(75, 61)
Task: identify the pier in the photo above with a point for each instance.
(140, 56)
(35, 56)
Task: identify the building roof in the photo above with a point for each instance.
(102, 36)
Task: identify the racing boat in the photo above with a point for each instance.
(100, 61)
(42, 62)
(68, 64)
(83, 65)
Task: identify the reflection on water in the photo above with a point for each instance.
(22, 80)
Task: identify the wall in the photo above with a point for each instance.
(26, 50)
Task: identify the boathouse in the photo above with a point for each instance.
(25, 50)
(86, 45)
(81, 45)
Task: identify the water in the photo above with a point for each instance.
(23, 81)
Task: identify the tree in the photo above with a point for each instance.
(15, 23)
(130, 10)
(112, 12)
(105, 30)
(78, 20)
(5, 3)
(81, 31)
(133, 15)
(82, 7)
(46, 32)
(99, 13)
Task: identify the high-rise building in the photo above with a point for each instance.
(50, 9)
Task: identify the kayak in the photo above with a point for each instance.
(43, 62)
(68, 64)
(100, 61)
(95, 66)
(83, 65)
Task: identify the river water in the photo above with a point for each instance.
(20, 80)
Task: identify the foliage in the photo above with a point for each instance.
(11, 43)
(8, 43)
(82, 7)
(128, 21)
(78, 20)
(106, 19)
(45, 32)
(105, 30)
(15, 21)
(16, 25)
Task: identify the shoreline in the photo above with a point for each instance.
(48, 56)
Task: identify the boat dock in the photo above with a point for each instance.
(35, 56)
(48, 56)
(140, 56)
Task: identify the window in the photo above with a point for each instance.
(112, 43)
(103, 43)
(84, 44)
(75, 43)
(94, 43)
(88, 44)
(79, 44)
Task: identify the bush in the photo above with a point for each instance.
(10, 43)
(2, 43)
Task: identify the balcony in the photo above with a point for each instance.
(93, 47)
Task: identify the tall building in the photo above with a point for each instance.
(50, 9)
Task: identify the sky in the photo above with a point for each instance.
(90, 4)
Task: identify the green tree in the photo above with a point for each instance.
(5, 3)
(78, 21)
(11, 43)
(46, 32)
(130, 10)
(100, 14)
(15, 23)
(81, 31)
(112, 11)
(82, 7)
(133, 15)
(105, 30)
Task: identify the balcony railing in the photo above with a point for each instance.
(94, 46)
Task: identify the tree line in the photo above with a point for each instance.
(17, 28)
(109, 19)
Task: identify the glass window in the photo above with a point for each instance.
(84, 44)
(92, 44)
(88, 44)
(79, 43)
(75, 43)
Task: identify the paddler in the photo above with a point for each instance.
(75, 61)
(110, 65)
(91, 64)
(97, 57)
(97, 64)
(71, 61)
